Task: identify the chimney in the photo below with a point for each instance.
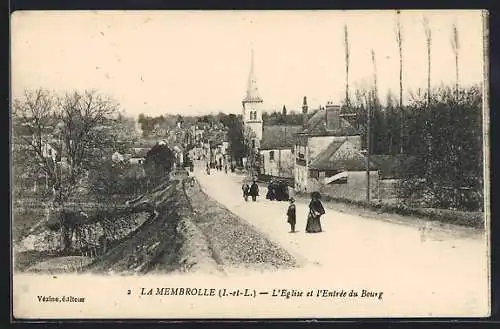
(304, 106)
(332, 116)
(304, 112)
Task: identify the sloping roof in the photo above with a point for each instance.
(141, 152)
(275, 137)
(317, 125)
(55, 144)
(330, 159)
(324, 156)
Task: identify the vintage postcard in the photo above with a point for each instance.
(249, 164)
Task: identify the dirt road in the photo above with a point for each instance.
(440, 267)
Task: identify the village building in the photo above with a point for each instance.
(196, 135)
(137, 161)
(340, 171)
(277, 150)
(179, 155)
(117, 157)
(50, 150)
(159, 131)
(328, 156)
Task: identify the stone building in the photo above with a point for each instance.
(277, 150)
(328, 153)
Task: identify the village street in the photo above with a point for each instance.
(439, 271)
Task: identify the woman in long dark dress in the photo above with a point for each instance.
(270, 191)
(316, 210)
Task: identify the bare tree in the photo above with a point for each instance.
(428, 39)
(346, 48)
(77, 124)
(455, 45)
(375, 87)
(399, 40)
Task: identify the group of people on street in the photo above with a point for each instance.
(250, 190)
(277, 190)
(316, 209)
(219, 167)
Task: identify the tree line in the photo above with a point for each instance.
(438, 131)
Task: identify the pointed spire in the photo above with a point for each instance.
(252, 90)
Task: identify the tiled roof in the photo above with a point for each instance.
(275, 137)
(141, 152)
(317, 125)
(324, 156)
(330, 159)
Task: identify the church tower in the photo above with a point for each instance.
(252, 104)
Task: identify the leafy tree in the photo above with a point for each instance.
(159, 161)
(450, 176)
(236, 138)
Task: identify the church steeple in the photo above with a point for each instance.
(252, 90)
(252, 104)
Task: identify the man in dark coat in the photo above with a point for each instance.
(291, 214)
(254, 191)
(246, 190)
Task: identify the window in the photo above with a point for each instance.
(271, 156)
(253, 143)
(253, 115)
(313, 174)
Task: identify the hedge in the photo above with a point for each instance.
(463, 218)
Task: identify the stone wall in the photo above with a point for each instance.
(354, 189)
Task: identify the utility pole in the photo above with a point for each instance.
(368, 151)
(371, 102)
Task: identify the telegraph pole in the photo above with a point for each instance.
(372, 102)
(368, 151)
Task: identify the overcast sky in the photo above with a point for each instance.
(198, 62)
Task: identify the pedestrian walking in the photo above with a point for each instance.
(246, 190)
(292, 219)
(316, 210)
(270, 191)
(254, 191)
